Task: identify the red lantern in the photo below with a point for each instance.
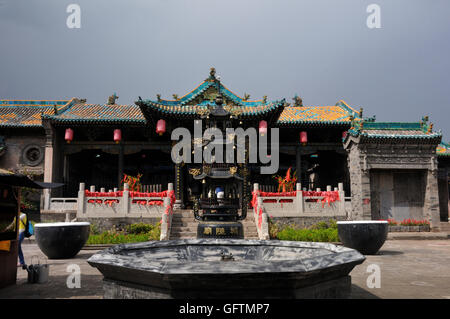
(117, 135)
(161, 127)
(262, 127)
(344, 135)
(69, 135)
(303, 137)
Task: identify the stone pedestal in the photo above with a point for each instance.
(339, 288)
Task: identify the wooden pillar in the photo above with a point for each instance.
(66, 174)
(298, 163)
(120, 165)
(179, 202)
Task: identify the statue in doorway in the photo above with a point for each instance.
(313, 176)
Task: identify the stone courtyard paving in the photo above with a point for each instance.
(409, 269)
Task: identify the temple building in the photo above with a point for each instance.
(389, 170)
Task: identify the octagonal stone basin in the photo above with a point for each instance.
(61, 240)
(226, 268)
(366, 236)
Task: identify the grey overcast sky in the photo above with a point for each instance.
(319, 49)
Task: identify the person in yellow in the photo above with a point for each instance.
(22, 226)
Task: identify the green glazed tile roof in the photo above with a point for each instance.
(193, 110)
(188, 98)
(393, 130)
(443, 149)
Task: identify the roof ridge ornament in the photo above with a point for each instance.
(424, 124)
(212, 74)
(298, 101)
(112, 99)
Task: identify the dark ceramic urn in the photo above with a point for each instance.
(61, 240)
(367, 237)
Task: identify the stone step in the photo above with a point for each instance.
(192, 217)
(184, 214)
(187, 220)
(173, 237)
(193, 232)
(183, 229)
(191, 220)
(182, 237)
(184, 234)
(191, 214)
(195, 225)
(184, 224)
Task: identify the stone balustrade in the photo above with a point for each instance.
(63, 204)
(303, 203)
(121, 204)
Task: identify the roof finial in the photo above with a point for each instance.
(212, 73)
(158, 96)
(112, 99)
(246, 97)
(361, 112)
(297, 100)
(265, 99)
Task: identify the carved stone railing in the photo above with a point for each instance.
(302, 203)
(63, 204)
(126, 203)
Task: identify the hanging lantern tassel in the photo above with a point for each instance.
(344, 135)
(303, 138)
(117, 135)
(69, 135)
(262, 127)
(161, 127)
